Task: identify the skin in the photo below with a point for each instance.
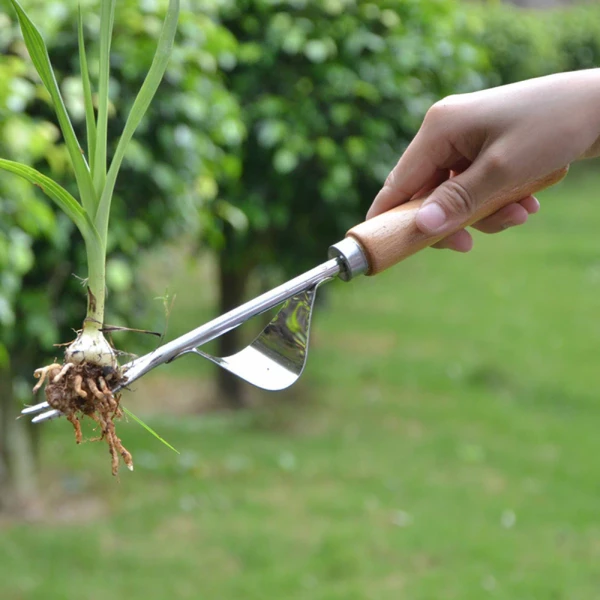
(473, 146)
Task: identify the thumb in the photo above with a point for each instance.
(453, 203)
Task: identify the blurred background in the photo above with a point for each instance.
(443, 440)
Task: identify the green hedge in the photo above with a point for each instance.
(178, 153)
(525, 43)
(579, 31)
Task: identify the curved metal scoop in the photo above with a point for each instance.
(276, 358)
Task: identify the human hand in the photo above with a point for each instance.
(471, 147)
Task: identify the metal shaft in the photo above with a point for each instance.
(348, 260)
(217, 327)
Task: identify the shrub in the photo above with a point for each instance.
(525, 43)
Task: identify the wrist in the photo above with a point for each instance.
(580, 91)
(590, 88)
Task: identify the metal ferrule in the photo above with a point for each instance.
(353, 260)
(346, 261)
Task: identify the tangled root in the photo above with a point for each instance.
(84, 390)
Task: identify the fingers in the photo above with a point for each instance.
(402, 184)
(461, 241)
(531, 204)
(422, 167)
(454, 202)
(509, 216)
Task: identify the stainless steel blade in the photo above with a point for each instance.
(277, 357)
(189, 342)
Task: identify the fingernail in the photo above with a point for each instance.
(431, 218)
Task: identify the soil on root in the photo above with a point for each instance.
(84, 390)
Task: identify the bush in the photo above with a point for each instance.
(169, 173)
(331, 92)
(177, 156)
(526, 43)
(579, 37)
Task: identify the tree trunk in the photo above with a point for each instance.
(4, 477)
(232, 288)
(18, 478)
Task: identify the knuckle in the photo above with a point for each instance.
(496, 163)
(442, 109)
(459, 200)
(436, 113)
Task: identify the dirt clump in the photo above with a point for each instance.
(79, 390)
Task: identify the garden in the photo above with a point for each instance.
(442, 440)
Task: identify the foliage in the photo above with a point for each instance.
(95, 178)
(26, 216)
(525, 43)
(579, 34)
(174, 160)
(326, 94)
(331, 92)
(443, 445)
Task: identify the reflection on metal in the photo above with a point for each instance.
(276, 358)
(353, 259)
(189, 342)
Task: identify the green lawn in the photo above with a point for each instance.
(443, 445)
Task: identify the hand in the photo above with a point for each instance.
(473, 146)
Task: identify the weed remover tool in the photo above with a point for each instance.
(276, 358)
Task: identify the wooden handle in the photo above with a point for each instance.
(393, 236)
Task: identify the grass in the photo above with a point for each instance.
(443, 444)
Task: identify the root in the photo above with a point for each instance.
(77, 381)
(77, 426)
(115, 445)
(82, 390)
(64, 370)
(92, 385)
(41, 374)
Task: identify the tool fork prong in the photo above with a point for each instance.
(47, 416)
(31, 410)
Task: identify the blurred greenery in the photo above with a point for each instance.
(442, 445)
(523, 43)
(443, 441)
(330, 93)
(177, 156)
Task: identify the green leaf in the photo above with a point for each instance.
(138, 110)
(107, 18)
(90, 118)
(54, 191)
(41, 60)
(148, 429)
